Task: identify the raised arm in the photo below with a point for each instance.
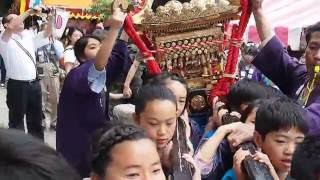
(126, 86)
(264, 27)
(14, 24)
(272, 60)
(109, 40)
(49, 29)
(208, 149)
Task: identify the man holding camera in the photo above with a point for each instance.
(49, 73)
(17, 47)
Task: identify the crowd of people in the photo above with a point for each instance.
(275, 105)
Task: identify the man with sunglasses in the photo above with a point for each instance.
(17, 47)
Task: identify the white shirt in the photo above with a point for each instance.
(59, 48)
(40, 40)
(69, 55)
(18, 64)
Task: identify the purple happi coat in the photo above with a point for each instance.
(289, 75)
(81, 111)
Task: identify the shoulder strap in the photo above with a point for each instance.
(48, 55)
(51, 60)
(28, 53)
(70, 48)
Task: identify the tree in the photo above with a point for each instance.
(104, 7)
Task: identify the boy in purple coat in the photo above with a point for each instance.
(80, 111)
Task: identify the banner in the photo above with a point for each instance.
(61, 20)
(294, 38)
(23, 5)
(27, 4)
(288, 36)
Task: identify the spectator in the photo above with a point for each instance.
(49, 73)
(306, 160)
(125, 152)
(27, 158)
(80, 111)
(72, 34)
(17, 48)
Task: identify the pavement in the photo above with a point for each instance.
(50, 136)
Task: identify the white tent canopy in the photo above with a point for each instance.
(291, 13)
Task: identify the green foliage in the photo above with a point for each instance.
(102, 7)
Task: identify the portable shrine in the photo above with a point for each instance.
(195, 40)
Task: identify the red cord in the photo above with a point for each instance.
(152, 65)
(223, 85)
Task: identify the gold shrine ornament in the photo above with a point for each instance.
(198, 102)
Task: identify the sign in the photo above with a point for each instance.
(61, 20)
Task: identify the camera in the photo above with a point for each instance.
(45, 10)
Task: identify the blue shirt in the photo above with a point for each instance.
(96, 79)
(222, 161)
(230, 175)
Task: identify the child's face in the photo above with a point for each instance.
(159, 120)
(179, 90)
(135, 160)
(252, 116)
(280, 146)
(75, 36)
(92, 48)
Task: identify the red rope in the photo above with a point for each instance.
(152, 65)
(222, 88)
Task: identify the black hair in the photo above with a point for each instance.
(281, 113)
(228, 118)
(80, 45)
(244, 91)
(152, 92)
(68, 33)
(107, 139)
(5, 19)
(311, 30)
(164, 76)
(25, 157)
(272, 92)
(249, 109)
(32, 21)
(162, 79)
(306, 159)
(99, 33)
